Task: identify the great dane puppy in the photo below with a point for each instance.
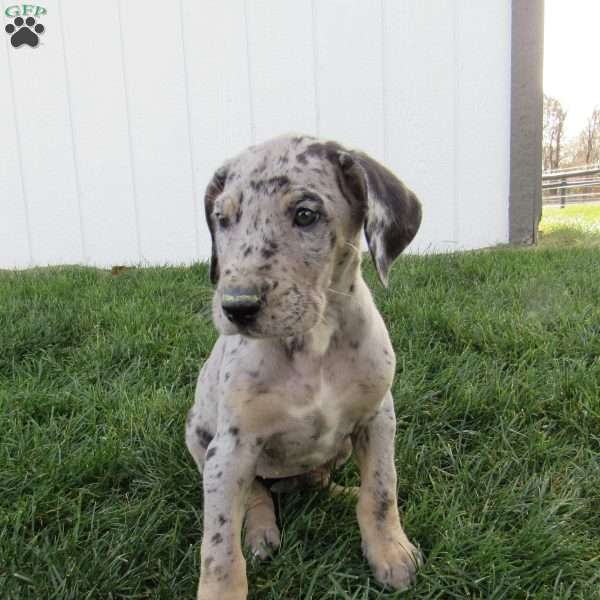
(302, 371)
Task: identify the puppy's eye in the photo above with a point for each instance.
(305, 217)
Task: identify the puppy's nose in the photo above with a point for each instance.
(241, 305)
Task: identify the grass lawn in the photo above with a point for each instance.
(573, 225)
(498, 446)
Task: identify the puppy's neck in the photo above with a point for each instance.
(341, 308)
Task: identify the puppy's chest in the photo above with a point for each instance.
(319, 414)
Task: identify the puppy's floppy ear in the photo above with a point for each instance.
(392, 211)
(213, 189)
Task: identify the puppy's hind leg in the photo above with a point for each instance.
(262, 533)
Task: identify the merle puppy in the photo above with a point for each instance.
(302, 371)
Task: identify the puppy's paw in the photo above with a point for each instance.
(205, 593)
(223, 585)
(262, 541)
(394, 562)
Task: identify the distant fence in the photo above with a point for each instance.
(571, 185)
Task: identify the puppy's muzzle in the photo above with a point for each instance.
(241, 305)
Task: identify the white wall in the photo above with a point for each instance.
(112, 126)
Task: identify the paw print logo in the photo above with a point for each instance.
(24, 32)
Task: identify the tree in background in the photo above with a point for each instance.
(554, 123)
(586, 146)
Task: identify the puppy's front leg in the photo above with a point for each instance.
(228, 473)
(392, 557)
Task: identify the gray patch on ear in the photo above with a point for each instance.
(345, 160)
(213, 189)
(393, 213)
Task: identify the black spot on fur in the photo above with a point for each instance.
(354, 344)
(204, 437)
(273, 184)
(267, 253)
(208, 561)
(301, 158)
(383, 505)
(275, 284)
(296, 344)
(211, 453)
(216, 539)
(227, 376)
(279, 182)
(266, 267)
(222, 520)
(351, 288)
(234, 431)
(332, 239)
(248, 251)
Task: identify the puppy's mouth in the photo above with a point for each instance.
(258, 330)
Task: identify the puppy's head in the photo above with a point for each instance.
(285, 219)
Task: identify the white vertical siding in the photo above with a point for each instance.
(280, 66)
(153, 60)
(349, 73)
(218, 91)
(42, 117)
(111, 131)
(482, 122)
(420, 106)
(100, 133)
(15, 246)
